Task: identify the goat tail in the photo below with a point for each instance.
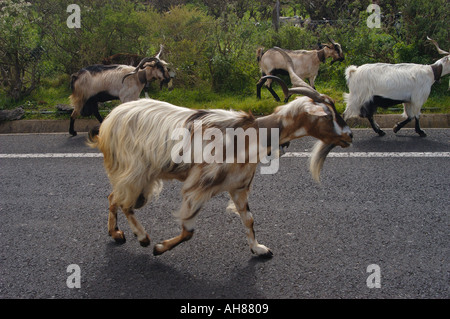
(73, 78)
(318, 156)
(349, 71)
(93, 136)
(259, 54)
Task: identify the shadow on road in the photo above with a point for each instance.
(144, 276)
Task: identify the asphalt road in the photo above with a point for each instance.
(390, 211)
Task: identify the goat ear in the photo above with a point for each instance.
(142, 76)
(316, 110)
(149, 64)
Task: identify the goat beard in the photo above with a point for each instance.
(318, 156)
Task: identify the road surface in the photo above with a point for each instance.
(376, 227)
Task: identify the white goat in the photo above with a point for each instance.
(306, 63)
(136, 141)
(100, 83)
(385, 85)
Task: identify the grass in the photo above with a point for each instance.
(42, 103)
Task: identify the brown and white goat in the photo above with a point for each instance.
(306, 63)
(100, 83)
(140, 151)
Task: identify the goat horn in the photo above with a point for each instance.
(331, 40)
(437, 46)
(306, 91)
(282, 84)
(309, 92)
(140, 66)
(160, 51)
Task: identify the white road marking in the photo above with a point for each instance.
(52, 155)
(288, 155)
(373, 154)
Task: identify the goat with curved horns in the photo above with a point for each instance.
(384, 85)
(305, 63)
(299, 86)
(138, 149)
(100, 83)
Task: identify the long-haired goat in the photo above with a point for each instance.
(384, 85)
(136, 141)
(100, 83)
(306, 63)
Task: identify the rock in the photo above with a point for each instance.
(12, 115)
(64, 108)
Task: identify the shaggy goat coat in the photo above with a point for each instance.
(404, 83)
(139, 141)
(138, 144)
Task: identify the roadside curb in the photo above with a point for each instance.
(45, 126)
(389, 120)
(84, 125)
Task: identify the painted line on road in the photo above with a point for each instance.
(52, 155)
(373, 154)
(288, 155)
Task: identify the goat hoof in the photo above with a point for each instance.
(119, 237)
(74, 133)
(262, 251)
(158, 249)
(422, 134)
(396, 129)
(381, 133)
(266, 255)
(145, 242)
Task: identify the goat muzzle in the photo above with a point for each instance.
(338, 60)
(346, 140)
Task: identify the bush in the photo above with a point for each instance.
(217, 52)
(185, 33)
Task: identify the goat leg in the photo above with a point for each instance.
(97, 115)
(275, 95)
(418, 129)
(399, 125)
(173, 242)
(73, 116)
(240, 200)
(259, 86)
(71, 127)
(188, 215)
(113, 230)
(137, 228)
(375, 126)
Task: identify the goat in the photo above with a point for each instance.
(100, 83)
(384, 85)
(138, 149)
(306, 63)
